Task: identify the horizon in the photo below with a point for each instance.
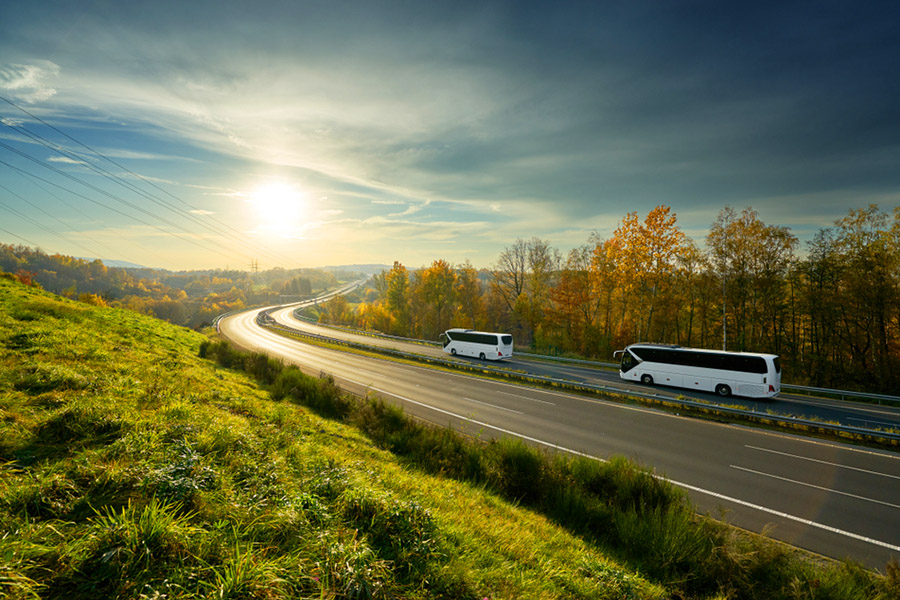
(304, 135)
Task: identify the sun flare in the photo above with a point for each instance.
(278, 207)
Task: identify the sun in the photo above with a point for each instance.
(278, 207)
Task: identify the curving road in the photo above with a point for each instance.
(853, 414)
(834, 499)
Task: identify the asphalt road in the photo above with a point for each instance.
(833, 499)
(853, 414)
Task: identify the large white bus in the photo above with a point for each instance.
(739, 373)
(484, 345)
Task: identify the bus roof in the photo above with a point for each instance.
(706, 350)
(461, 330)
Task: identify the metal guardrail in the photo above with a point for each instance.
(842, 394)
(265, 320)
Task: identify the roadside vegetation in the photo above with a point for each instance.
(141, 460)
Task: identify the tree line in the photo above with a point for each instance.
(833, 314)
(188, 298)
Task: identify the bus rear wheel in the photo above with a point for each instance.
(481, 356)
(723, 390)
(647, 379)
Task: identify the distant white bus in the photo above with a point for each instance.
(725, 373)
(481, 344)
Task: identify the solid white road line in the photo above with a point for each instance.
(823, 462)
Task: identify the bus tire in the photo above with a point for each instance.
(723, 390)
(647, 379)
(452, 351)
(481, 356)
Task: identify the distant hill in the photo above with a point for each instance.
(122, 264)
(364, 269)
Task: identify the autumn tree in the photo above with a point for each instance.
(865, 252)
(751, 260)
(576, 309)
(397, 298)
(645, 255)
(436, 290)
(469, 302)
(522, 278)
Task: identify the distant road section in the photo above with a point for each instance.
(834, 499)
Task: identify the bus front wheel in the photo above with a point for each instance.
(723, 390)
(647, 379)
(453, 351)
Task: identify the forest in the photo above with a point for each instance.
(188, 298)
(832, 312)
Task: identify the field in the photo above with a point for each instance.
(140, 460)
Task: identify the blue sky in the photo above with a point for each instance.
(317, 133)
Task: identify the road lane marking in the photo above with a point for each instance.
(527, 398)
(824, 462)
(811, 485)
(687, 486)
(492, 406)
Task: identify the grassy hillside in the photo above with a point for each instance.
(130, 467)
(133, 468)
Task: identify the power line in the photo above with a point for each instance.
(60, 221)
(113, 197)
(234, 235)
(15, 235)
(34, 181)
(74, 193)
(37, 223)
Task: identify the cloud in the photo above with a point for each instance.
(66, 160)
(29, 82)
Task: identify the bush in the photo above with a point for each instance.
(321, 395)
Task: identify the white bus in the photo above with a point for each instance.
(725, 373)
(468, 342)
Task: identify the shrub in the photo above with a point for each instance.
(321, 395)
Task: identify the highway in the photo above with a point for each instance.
(833, 499)
(854, 414)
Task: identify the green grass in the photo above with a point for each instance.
(131, 466)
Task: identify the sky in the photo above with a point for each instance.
(193, 135)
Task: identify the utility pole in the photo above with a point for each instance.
(254, 265)
(724, 297)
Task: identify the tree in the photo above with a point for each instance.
(438, 293)
(470, 305)
(397, 298)
(522, 278)
(751, 260)
(870, 258)
(645, 256)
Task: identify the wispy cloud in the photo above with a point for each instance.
(32, 82)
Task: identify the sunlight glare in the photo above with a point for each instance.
(278, 207)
